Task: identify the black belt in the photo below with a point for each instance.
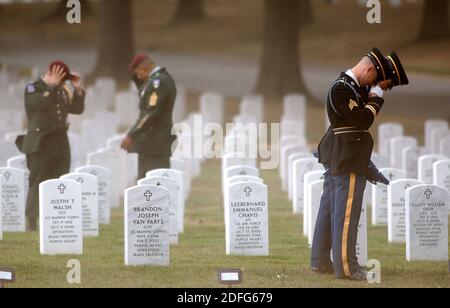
(348, 130)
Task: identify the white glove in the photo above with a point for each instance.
(377, 91)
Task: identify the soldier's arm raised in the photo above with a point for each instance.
(361, 117)
(78, 102)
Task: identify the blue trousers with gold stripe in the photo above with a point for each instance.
(346, 205)
(337, 223)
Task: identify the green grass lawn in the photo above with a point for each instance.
(201, 252)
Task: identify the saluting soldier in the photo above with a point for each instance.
(48, 101)
(345, 150)
(151, 136)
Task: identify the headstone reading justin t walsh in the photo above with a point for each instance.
(61, 222)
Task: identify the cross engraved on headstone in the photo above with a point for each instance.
(62, 188)
(7, 175)
(80, 180)
(148, 195)
(428, 194)
(248, 191)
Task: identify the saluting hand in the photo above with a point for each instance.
(55, 77)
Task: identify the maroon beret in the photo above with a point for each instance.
(137, 60)
(65, 68)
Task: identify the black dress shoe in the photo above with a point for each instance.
(326, 270)
(360, 275)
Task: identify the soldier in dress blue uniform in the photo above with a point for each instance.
(48, 102)
(151, 137)
(354, 101)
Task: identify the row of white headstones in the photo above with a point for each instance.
(423, 228)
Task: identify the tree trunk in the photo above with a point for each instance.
(116, 41)
(435, 21)
(306, 12)
(279, 72)
(189, 11)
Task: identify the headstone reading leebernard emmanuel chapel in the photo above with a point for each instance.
(247, 227)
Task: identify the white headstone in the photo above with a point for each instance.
(212, 108)
(445, 147)
(386, 132)
(302, 167)
(398, 144)
(247, 228)
(177, 176)
(174, 190)
(396, 209)
(115, 162)
(410, 162)
(244, 178)
(315, 190)
(441, 174)
(426, 223)
(437, 135)
(380, 196)
(290, 171)
(253, 105)
(147, 238)
(18, 162)
(309, 177)
(61, 222)
(89, 201)
(7, 150)
(13, 199)
(294, 107)
(284, 162)
(104, 191)
(239, 170)
(183, 166)
(430, 126)
(426, 167)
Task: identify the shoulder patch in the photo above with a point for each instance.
(31, 88)
(156, 83)
(352, 104)
(153, 101)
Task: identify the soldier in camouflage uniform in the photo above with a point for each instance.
(151, 136)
